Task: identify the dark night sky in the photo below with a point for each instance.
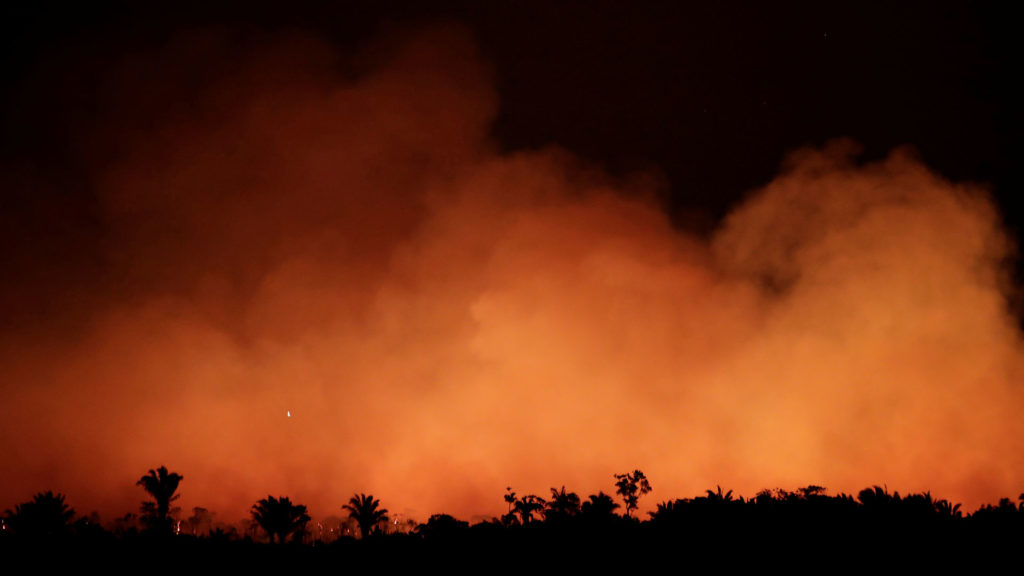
(710, 97)
(682, 86)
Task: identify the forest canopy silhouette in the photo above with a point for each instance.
(312, 271)
(804, 526)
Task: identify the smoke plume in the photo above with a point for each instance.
(311, 274)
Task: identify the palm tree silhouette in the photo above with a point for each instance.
(279, 518)
(946, 509)
(46, 516)
(527, 506)
(562, 505)
(667, 510)
(718, 496)
(161, 485)
(878, 500)
(365, 510)
(600, 506)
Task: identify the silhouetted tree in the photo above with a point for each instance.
(510, 498)
(527, 506)
(668, 514)
(563, 505)
(631, 486)
(598, 507)
(200, 521)
(947, 510)
(366, 511)
(718, 496)
(877, 500)
(510, 518)
(280, 518)
(811, 490)
(919, 507)
(161, 485)
(442, 526)
(45, 516)
(764, 498)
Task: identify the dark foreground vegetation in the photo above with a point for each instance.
(804, 530)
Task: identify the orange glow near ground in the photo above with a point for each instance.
(327, 286)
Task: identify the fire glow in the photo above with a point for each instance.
(449, 319)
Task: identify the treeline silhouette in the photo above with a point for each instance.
(805, 526)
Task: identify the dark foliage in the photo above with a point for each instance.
(442, 526)
(631, 486)
(46, 516)
(804, 529)
(280, 518)
(161, 485)
(563, 506)
(367, 513)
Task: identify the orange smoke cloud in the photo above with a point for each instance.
(442, 320)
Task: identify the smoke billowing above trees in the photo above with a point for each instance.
(304, 272)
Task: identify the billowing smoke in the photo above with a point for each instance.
(314, 275)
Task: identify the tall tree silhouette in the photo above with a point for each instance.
(510, 498)
(45, 516)
(367, 513)
(510, 518)
(280, 518)
(161, 485)
(631, 486)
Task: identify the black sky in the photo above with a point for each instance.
(710, 96)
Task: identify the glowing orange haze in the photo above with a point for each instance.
(444, 320)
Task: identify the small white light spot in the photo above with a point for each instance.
(289, 413)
